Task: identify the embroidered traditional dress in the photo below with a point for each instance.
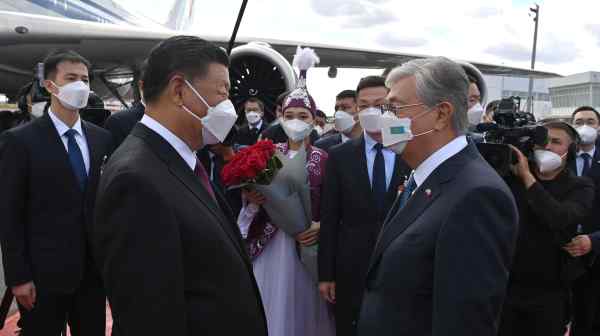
(290, 296)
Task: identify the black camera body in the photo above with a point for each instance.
(512, 127)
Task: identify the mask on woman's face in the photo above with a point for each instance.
(547, 161)
(296, 129)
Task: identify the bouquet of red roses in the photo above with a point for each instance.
(256, 164)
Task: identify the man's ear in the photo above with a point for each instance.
(50, 86)
(175, 91)
(445, 115)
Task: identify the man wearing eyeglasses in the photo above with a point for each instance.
(441, 264)
(362, 182)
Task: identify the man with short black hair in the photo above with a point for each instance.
(362, 182)
(50, 170)
(254, 111)
(346, 122)
(586, 290)
(168, 245)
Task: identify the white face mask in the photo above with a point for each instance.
(218, 120)
(297, 130)
(370, 119)
(253, 118)
(475, 114)
(396, 132)
(344, 122)
(546, 160)
(588, 134)
(37, 109)
(73, 96)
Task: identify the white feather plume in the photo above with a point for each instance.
(305, 58)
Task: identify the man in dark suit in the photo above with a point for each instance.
(50, 170)
(254, 110)
(353, 210)
(168, 246)
(586, 290)
(346, 122)
(121, 123)
(441, 264)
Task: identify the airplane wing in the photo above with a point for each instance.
(116, 50)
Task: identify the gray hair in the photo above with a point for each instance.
(438, 79)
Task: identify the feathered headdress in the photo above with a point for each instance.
(304, 59)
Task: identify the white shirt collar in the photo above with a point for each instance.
(369, 142)
(186, 153)
(591, 152)
(61, 127)
(345, 137)
(436, 159)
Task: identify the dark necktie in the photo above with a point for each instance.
(201, 173)
(410, 187)
(586, 163)
(76, 158)
(379, 189)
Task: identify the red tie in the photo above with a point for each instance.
(201, 173)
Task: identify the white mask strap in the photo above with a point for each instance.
(197, 94)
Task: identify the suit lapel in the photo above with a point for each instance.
(56, 145)
(94, 147)
(423, 198)
(184, 174)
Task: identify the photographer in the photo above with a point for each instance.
(552, 202)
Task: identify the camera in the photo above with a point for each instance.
(511, 127)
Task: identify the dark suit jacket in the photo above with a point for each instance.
(45, 214)
(592, 223)
(276, 134)
(441, 265)
(326, 142)
(172, 259)
(247, 137)
(121, 123)
(350, 224)
(213, 167)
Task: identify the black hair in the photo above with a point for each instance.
(22, 97)
(370, 82)
(585, 108)
(257, 101)
(473, 80)
(346, 94)
(189, 55)
(320, 114)
(52, 61)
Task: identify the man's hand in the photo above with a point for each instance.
(25, 294)
(310, 236)
(521, 169)
(579, 246)
(253, 196)
(327, 290)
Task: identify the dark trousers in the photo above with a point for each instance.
(534, 313)
(586, 305)
(84, 311)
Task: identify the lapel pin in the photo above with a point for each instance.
(428, 192)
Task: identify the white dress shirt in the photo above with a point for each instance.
(579, 161)
(388, 156)
(186, 153)
(436, 159)
(344, 138)
(62, 128)
(258, 126)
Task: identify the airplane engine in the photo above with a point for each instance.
(472, 71)
(257, 70)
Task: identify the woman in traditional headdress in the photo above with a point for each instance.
(289, 292)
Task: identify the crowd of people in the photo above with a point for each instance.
(416, 233)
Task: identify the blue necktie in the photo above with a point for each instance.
(379, 189)
(76, 158)
(410, 187)
(586, 164)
